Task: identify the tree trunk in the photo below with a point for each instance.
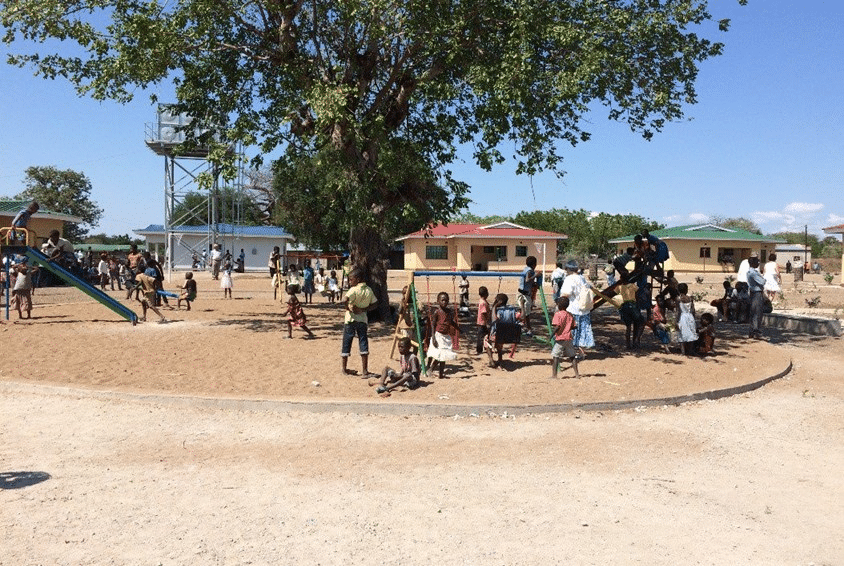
(370, 253)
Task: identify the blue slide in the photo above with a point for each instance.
(68, 277)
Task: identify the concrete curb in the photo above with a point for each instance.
(399, 409)
(803, 324)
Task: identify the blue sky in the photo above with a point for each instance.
(765, 141)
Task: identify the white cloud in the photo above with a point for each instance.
(800, 208)
(698, 217)
(834, 219)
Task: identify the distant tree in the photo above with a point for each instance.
(64, 191)
(469, 218)
(118, 240)
(831, 247)
(739, 223)
(232, 206)
(605, 227)
(802, 239)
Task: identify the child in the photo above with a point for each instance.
(657, 323)
(527, 286)
(21, 220)
(333, 287)
(102, 270)
(563, 324)
(686, 327)
(408, 375)
(114, 273)
(226, 279)
(706, 335)
(294, 285)
(22, 289)
(444, 327)
(631, 315)
(296, 317)
(308, 283)
(484, 319)
(148, 286)
(188, 293)
(464, 294)
(723, 304)
(504, 328)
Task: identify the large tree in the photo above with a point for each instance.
(65, 191)
(369, 99)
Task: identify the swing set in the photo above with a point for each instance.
(410, 299)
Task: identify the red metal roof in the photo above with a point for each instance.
(498, 230)
(835, 229)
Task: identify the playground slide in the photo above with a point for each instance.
(65, 275)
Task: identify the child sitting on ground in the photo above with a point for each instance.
(563, 324)
(706, 335)
(188, 293)
(296, 317)
(408, 374)
(444, 329)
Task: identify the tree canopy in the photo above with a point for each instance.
(64, 191)
(368, 100)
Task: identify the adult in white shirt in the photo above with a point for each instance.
(216, 261)
(741, 276)
(574, 285)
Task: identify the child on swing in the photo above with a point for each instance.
(502, 313)
(444, 325)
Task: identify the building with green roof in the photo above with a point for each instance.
(41, 223)
(707, 247)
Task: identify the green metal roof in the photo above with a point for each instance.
(704, 232)
(10, 207)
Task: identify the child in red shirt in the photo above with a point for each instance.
(563, 323)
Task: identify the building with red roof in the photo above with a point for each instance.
(502, 246)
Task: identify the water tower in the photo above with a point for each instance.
(183, 166)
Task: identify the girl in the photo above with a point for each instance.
(333, 288)
(484, 319)
(444, 328)
(296, 317)
(706, 335)
(686, 328)
(294, 285)
(319, 282)
(226, 279)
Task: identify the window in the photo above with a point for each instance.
(521, 251)
(499, 252)
(705, 252)
(436, 252)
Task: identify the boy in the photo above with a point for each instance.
(188, 293)
(22, 290)
(563, 324)
(21, 220)
(527, 283)
(408, 375)
(359, 300)
(149, 291)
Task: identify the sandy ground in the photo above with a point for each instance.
(214, 440)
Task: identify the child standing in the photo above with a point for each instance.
(102, 270)
(114, 273)
(563, 323)
(484, 319)
(22, 289)
(188, 293)
(296, 317)
(686, 327)
(333, 287)
(226, 279)
(444, 326)
(464, 294)
(408, 375)
(149, 288)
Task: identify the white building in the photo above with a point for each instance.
(257, 243)
(797, 254)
